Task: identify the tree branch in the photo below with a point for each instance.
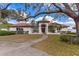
(57, 6)
(43, 13)
(65, 10)
(69, 11)
(7, 6)
(67, 6)
(77, 5)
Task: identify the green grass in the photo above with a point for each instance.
(19, 38)
(53, 46)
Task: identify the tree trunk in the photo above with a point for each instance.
(77, 27)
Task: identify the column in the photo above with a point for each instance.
(56, 31)
(40, 28)
(46, 29)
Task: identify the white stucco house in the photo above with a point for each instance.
(43, 26)
(22, 26)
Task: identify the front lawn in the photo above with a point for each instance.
(53, 46)
(19, 38)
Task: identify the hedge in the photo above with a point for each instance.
(72, 33)
(73, 39)
(3, 33)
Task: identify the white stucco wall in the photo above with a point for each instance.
(4, 29)
(29, 29)
(12, 29)
(25, 29)
(68, 29)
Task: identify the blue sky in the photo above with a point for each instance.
(61, 18)
(16, 6)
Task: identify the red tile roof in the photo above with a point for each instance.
(22, 24)
(44, 21)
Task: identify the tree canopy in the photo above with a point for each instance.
(33, 10)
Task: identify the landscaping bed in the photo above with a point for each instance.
(54, 46)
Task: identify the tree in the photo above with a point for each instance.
(15, 14)
(4, 12)
(8, 13)
(71, 10)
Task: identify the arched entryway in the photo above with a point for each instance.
(43, 28)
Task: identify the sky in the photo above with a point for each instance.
(16, 6)
(59, 18)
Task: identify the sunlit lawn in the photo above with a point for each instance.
(53, 46)
(19, 38)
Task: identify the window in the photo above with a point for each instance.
(19, 30)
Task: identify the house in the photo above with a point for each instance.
(22, 27)
(43, 26)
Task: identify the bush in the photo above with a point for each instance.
(72, 33)
(3, 33)
(65, 38)
(72, 39)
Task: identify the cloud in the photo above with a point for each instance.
(49, 18)
(69, 22)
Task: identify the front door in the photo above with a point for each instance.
(19, 30)
(43, 26)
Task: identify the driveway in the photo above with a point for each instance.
(21, 49)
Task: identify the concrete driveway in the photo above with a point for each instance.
(21, 49)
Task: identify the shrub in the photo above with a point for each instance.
(65, 38)
(72, 39)
(72, 33)
(3, 33)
